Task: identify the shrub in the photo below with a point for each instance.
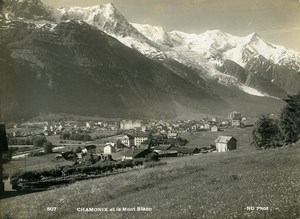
(127, 163)
(118, 165)
(153, 156)
(48, 146)
(137, 162)
(38, 141)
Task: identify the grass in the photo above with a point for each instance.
(33, 163)
(199, 139)
(215, 185)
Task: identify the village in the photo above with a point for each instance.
(126, 139)
(110, 144)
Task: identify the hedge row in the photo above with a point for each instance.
(34, 175)
(97, 168)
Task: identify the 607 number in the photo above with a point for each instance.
(51, 208)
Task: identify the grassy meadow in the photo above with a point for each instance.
(214, 185)
(206, 138)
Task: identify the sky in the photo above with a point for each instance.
(277, 21)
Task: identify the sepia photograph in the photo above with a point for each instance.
(150, 109)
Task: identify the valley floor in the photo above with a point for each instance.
(244, 183)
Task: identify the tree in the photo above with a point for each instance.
(38, 141)
(290, 119)
(48, 146)
(266, 133)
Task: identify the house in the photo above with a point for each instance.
(135, 153)
(206, 126)
(172, 135)
(225, 143)
(162, 147)
(108, 149)
(138, 138)
(130, 124)
(235, 118)
(164, 151)
(235, 123)
(127, 140)
(184, 150)
(214, 128)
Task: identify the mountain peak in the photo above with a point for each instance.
(215, 32)
(28, 9)
(253, 37)
(110, 6)
(105, 17)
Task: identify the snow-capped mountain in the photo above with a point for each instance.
(105, 17)
(152, 41)
(237, 49)
(182, 74)
(263, 60)
(108, 19)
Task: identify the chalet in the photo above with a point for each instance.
(214, 128)
(184, 150)
(138, 138)
(165, 151)
(225, 143)
(108, 149)
(206, 126)
(135, 153)
(162, 147)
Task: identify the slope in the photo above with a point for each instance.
(215, 185)
(76, 68)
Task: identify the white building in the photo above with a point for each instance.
(108, 149)
(130, 124)
(214, 128)
(139, 138)
(225, 143)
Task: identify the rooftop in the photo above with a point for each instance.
(135, 152)
(224, 139)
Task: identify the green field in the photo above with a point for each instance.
(206, 138)
(214, 185)
(33, 163)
